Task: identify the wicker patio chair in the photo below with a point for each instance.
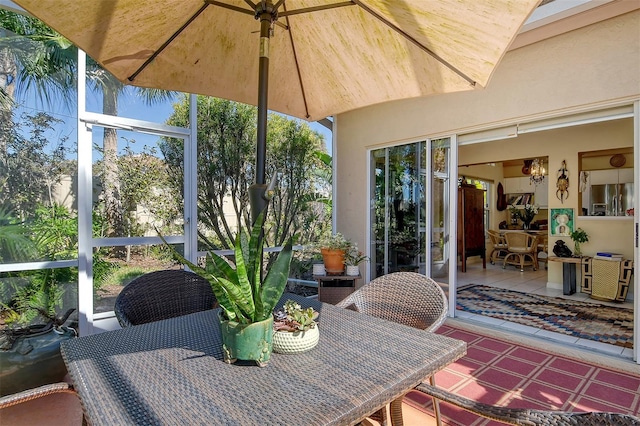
(526, 416)
(163, 294)
(499, 244)
(521, 246)
(31, 406)
(406, 298)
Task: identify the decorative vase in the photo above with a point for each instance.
(577, 252)
(247, 342)
(318, 269)
(295, 342)
(333, 261)
(525, 225)
(353, 270)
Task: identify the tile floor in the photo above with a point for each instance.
(534, 282)
(500, 372)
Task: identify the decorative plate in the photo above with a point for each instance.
(617, 160)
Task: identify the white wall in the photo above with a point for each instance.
(588, 68)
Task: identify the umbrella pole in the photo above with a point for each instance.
(258, 198)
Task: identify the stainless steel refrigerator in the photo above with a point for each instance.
(613, 199)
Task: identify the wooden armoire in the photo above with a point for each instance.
(471, 240)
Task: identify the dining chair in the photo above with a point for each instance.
(527, 416)
(52, 402)
(499, 244)
(406, 298)
(163, 294)
(521, 246)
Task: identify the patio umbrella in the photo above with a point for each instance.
(321, 57)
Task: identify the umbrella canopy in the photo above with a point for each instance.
(326, 56)
(318, 57)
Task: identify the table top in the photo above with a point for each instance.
(172, 372)
(565, 259)
(526, 231)
(336, 277)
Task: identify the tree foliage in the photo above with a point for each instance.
(226, 161)
(32, 164)
(33, 55)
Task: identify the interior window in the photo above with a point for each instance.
(606, 182)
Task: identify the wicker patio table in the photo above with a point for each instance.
(172, 372)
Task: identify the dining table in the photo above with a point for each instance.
(173, 372)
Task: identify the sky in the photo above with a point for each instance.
(131, 107)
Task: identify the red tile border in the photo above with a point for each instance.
(496, 371)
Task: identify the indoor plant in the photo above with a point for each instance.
(352, 259)
(333, 249)
(526, 214)
(247, 300)
(295, 329)
(578, 236)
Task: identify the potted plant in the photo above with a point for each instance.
(352, 259)
(527, 214)
(247, 300)
(295, 329)
(578, 236)
(334, 249)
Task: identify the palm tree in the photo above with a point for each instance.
(34, 55)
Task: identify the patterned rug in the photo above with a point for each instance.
(606, 324)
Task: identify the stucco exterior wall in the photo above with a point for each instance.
(586, 68)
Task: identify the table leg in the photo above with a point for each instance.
(568, 278)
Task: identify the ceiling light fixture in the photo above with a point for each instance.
(537, 172)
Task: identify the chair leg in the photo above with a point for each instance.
(504, 262)
(436, 404)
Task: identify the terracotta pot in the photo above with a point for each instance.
(333, 261)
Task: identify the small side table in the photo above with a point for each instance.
(568, 272)
(334, 288)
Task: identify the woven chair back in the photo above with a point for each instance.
(497, 240)
(520, 241)
(403, 297)
(163, 294)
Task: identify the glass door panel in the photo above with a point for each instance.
(398, 209)
(440, 209)
(137, 185)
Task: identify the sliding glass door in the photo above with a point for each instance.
(440, 208)
(410, 209)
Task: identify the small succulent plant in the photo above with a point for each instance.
(293, 318)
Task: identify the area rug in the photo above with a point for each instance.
(606, 324)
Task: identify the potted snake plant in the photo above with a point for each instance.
(246, 298)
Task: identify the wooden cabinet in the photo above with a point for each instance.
(602, 177)
(625, 175)
(333, 288)
(471, 240)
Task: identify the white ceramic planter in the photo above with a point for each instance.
(353, 270)
(295, 342)
(318, 269)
